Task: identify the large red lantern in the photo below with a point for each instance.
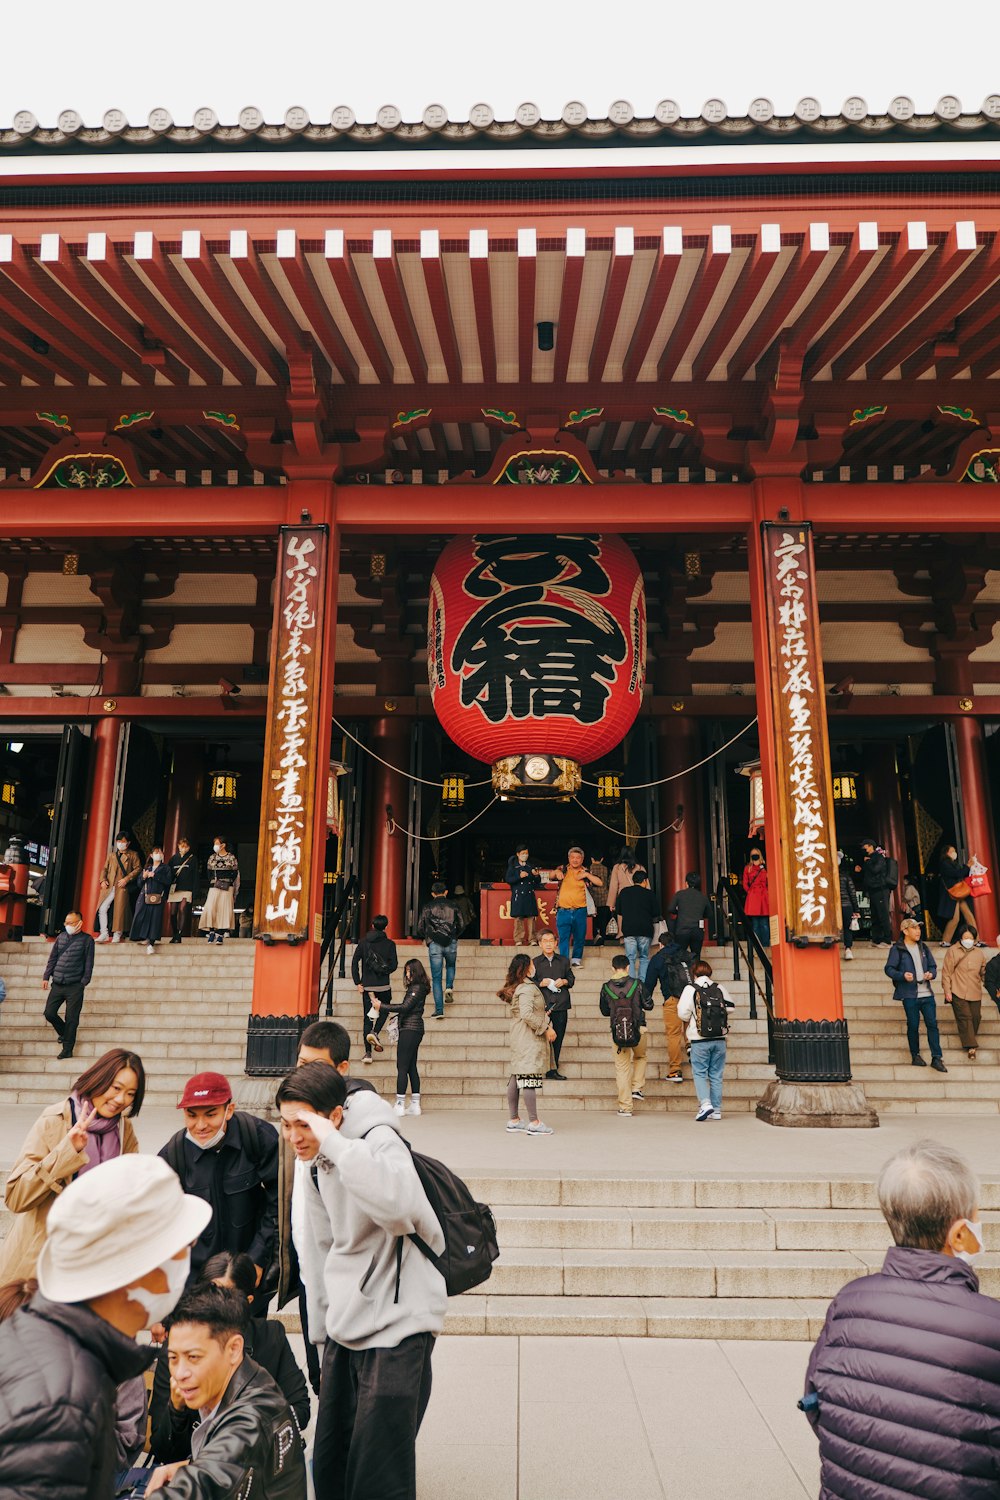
(536, 645)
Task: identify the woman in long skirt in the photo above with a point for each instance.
(219, 911)
(530, 1035)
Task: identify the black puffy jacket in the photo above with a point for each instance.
(60, 1367)
(250, 1446)
(907, 1376)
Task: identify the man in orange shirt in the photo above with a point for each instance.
(571, 904)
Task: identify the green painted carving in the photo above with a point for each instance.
(404, 418)
(224, 419)
(865, 414)
(583, 415)
(55, 418)
(674, 414)
(131, 419)
(963, 413)
(497, 414)
(542, 466)
(87, 471)
(983, 467)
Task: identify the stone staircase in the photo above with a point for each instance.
(690, 1253)
(185, 1009)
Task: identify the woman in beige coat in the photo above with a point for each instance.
(962, 982)
(530, 1035)
(93, 1125)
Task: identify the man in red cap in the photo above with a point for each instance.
(230, 1159)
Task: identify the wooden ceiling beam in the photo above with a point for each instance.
(661, 283)
(936, 323)
(123, 280)
(713, 266)
(615, 286)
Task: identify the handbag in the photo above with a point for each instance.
(960, 890)
(591, 904)
(979, 880)
(154, 900)
(223, 882)
(612, 928)
(392, 1031)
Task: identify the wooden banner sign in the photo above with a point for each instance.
(805, 794)
(291, 755)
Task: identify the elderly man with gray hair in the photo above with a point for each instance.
(903, 1386)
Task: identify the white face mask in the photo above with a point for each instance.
(71, 929)
(217, 848)
(968, 942)
(207, 1145)
(121, 848)
(157, 858)
(160, 1305)
(971, 1256)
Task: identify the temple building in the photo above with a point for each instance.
(650, 463)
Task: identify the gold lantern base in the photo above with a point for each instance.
(534, 776)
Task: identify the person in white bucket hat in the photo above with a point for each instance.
(114, 1262)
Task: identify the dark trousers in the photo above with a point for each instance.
(70, 995)
(601, 920)
(881, 923)
(367, 1024)
(691, 938)
(406, 1061)
(178, 917)
(371, 1404)
(914, 1010)
(558, 1020)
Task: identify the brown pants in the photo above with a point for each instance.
(675, 1036)
(630, 1071)
(967, 1017)
(524, 932)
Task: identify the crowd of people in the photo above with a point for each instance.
(193, 1245)
(141, 901)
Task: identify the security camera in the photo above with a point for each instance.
(229, 689)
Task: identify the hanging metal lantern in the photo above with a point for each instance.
(845, 789)
(752, 771)
(609, 789)
(8, 792)
(223, 787)
(453, 791)
(536, 647)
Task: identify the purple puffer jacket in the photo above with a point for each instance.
(907, 1372)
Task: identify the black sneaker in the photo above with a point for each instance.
(937, 1063)
(65, 1053)
(555, 1074)
(918, 1061)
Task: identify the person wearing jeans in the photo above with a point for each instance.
(708, 1054)
(911, 968)
(440, 925)
(571, 916)
(637, 911)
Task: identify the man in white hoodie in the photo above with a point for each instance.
(379, 1299)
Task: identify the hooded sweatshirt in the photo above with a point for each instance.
(350, 1205)
(686, 1010)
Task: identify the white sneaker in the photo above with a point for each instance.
(400, 1106)
(704, 1111)
(117, 938)
(367, 1059)
(716, 1114)
(413, 1108)
(576, 962)
(848, 954)
(513, 1125)
(539, 1128)
(150, 948)
(103, 938)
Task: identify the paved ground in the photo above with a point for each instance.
(659, 1144)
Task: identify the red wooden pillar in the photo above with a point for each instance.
(187, 781)
(678, 748)
(100, 804)
(812, 1061)
(286, 975)
(385, 880)
(980, 828)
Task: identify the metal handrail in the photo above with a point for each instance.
(760, 969)
(338, 929)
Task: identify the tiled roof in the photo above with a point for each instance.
(855, 122)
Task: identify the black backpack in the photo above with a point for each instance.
(711, 1012)
(625, 1029)
(891, 872)
(469, 1228)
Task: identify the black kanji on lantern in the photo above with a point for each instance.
(514, 561)
(543, 644)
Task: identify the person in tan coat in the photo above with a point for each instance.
(119, 878)
(962, 980)
(92, 1126)
(530, 1036)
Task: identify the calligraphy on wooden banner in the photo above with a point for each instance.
(291, 755)
(805, 793)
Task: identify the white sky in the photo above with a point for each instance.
(186, 53)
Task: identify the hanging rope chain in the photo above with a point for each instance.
(644, 786)
(673, 827)
(429, 838)
(390, 767)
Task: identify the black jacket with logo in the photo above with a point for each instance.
(249, 1447)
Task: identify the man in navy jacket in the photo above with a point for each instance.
(67, 974)
(911, 968)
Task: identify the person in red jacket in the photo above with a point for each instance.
(756, 905)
